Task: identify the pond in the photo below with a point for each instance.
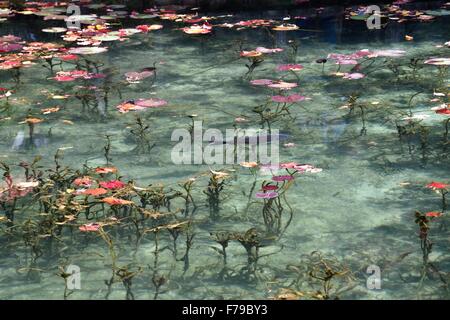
(95, 205)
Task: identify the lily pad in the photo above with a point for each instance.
(106, 37)
(108, 17)
(438, 13)
(120, 13)
(126, 32)
(87, 50)
(54, 30)
(150, 103)
(26, 12)
(360, 17)
(50, 11)
(116, 6)
(438, 61)
(143, 16)
(96, 6)
(82, 17)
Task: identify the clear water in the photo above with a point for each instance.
(358, 210)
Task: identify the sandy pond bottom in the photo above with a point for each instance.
(358, 211)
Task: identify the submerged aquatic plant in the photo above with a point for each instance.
(188, 245)
(252, 166)
(107, 149)
(141, 134)
(445, 111)
(158, 280)
(412, 126)
(268, 115)
(423, 220)
(332, 277)
(275, 202)
(126, 276)
(188, 197)
(66, 276)
(5, 94)
(222, 238)
(272, 211)
(351, 105)
(255, 58)
(251, 241)
(10, 195)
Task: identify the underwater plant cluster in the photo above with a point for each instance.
(93, 207)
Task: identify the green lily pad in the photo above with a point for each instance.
(120, 13)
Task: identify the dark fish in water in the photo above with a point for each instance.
(137, 76)
(251, 139)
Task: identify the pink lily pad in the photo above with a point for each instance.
(64, 78)
(290, 67)
(8, 47)
(261, 82)
(282, 178)
(346, 62)
(266, 195)
(268, 51)
(438, 61)
(354, 76)
(389, 53)
(150, 103)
